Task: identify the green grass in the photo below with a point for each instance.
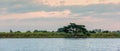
(57, 35)
(105, 35)
(35, 35)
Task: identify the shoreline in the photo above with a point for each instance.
(58, 36)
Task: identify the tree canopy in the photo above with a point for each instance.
(73, 29)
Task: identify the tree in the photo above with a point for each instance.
(28, 31)
(11, 31)
(92, 31)
(18, 32)
(74, 29)
(42, 31)
(106, 31)
(97, 30)
(36, 31)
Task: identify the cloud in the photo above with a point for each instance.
(111, 13)
(19, 6)
(39, 14)
(46, 14)
(75, 2)
(92, 22)
(3, 10)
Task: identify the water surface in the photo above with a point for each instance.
(59, 44)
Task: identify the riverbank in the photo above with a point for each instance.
(31, 36)
(37, 35)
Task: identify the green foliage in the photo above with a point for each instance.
(105, 35)
(28, 31)
(35, 31)
(27, 34)
(18, 32)
(70, 31)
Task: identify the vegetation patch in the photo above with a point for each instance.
(70, 31)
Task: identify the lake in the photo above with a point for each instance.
(59, 44)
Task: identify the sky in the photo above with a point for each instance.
(50, 15)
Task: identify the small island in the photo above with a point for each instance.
(70, 31)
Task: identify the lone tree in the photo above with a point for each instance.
(11, 31)
(36, 31)
(28, 31)
(74, 29)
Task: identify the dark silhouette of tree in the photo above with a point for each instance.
(36, 31)
(43, 31)
(92, 31)
(106, 31)
(74, 29)
(18, 32)
(28, 31)
(11, 31)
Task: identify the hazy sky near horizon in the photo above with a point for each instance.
(52, 14)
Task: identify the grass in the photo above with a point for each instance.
(57, 35)
(35, 35)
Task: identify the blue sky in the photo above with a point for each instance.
(52, 14)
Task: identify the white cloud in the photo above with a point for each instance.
(75, 2)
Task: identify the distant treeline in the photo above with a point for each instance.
(70, 31)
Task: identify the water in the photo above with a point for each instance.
(59, 44)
